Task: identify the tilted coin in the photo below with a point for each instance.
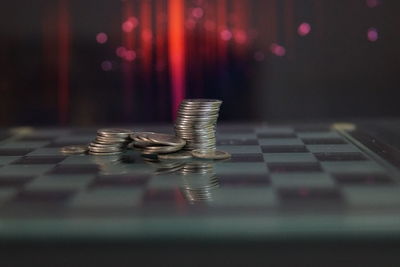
(176, 156)
(74, 150)
(165, 139)
(114, 132)
(162, 149)
(104, 153)
(212, 154)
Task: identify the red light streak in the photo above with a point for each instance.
(63, 61)
(146, 37)
(176, 37)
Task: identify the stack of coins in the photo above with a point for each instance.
(157, 143)
(196, 123)
(110, 142)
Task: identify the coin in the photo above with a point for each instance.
(176, 156)
(165, 139)
(117, 132)
(74, 150)
(211, 154)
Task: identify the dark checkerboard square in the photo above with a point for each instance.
(236, 130)
(298, 195)
(75, 169)
(247, 157)
(14, 181)
(312, 128)
(163, 196)
(4, 136)
(276, 135)
(50, 197)
(15, 152)
(283, 148)
(34, 138)
(340, 156)
(244, 180)
(40, 160)
(237, 142)
(363, 179)
(120, 180)
(323, 141)
(294, 167)
(66, 143)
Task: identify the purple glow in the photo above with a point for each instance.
(259, 56)
(106, 65)
(120, 51)
(101, 38)
(372, 34)
(278, 50)
(372, 3)
(304, 29)
(226, 35)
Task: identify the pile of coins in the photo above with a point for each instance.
(194, 136)
(196, 123)
(156, 143)
(110, 142)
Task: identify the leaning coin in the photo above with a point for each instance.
(74, 150)
(104, 153)
(212, 154)
(165, 139)
(176, 156)
(114, 132)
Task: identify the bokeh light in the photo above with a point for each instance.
(130, 55)
(304, 29)
(278, 50)
(240, 37)
(372, 34)
(120, 51)
(101, 38)
(226, 35)
(197, 12)
(372, 3)
(106, 65)
(130, 24)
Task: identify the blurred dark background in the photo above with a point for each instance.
(70, 62)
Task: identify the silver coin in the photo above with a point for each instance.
(176, 156)
(74, 149)
(215, 154)
(104, 153)
(165, 139)
(162, 149)
(114, 132)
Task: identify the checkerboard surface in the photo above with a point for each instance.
(281, 181)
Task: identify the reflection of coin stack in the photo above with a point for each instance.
(110, 165)
(198, 180)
